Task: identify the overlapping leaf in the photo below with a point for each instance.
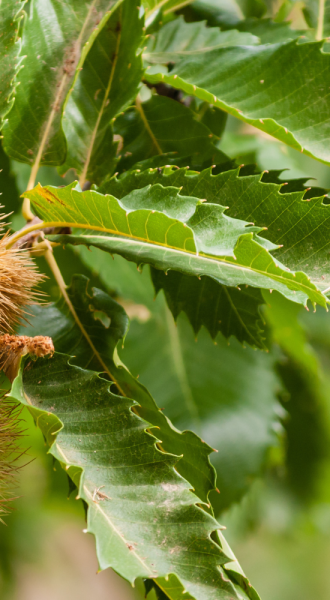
(178, 39)
(109, 80)
(227, 394)
(133, 492)
(206, 302)
(228, 13)
(162, 125)
(57, 38)
(230, 310)
(124, 475)
(278, 88)
(268, 31)
(10, 17)
(299, 223)
(191, 380)
(188, 236)
(104, 327)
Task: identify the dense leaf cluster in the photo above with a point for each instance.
(130, 102)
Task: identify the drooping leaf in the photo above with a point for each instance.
(205, 302)
(10, 17)
(196, 238)
(258, 85)
(178, 39)
(162, 125)
(218, 307)
(297, 220)
(118, 468)
(268, 31)
(109, 80)
(225, 393)
(105, 324)
(178, 370)
(57, 37)
(119, 471)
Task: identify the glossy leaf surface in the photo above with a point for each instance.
(10, 18)
(178, 39)
(194, 238)
(163, 125)
(258, 85)
(294, 220)
(96, 311)
(117, 466)
(112, 64)
(57, 37)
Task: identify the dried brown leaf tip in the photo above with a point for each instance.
(18, 278)
(13, 347)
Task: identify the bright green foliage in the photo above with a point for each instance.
(171, 364)
(128, 473)
(224, 393)
(178, 39)
(255, 85)
(160, 126)
(10, 17)
(113, 64)
(231, 310)
(292, 220)
(55, 43)
(204, 301)
(96, 310)
(133, 100)
(117, 466)
(170, 232)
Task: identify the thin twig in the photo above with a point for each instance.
(62, 286)
(320, 20)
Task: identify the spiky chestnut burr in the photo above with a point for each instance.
(18, 278)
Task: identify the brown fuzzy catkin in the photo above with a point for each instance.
(13, 347)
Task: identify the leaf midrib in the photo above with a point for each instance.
(130, 239)
(87, 491)
(54, 109)
(99, 117)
